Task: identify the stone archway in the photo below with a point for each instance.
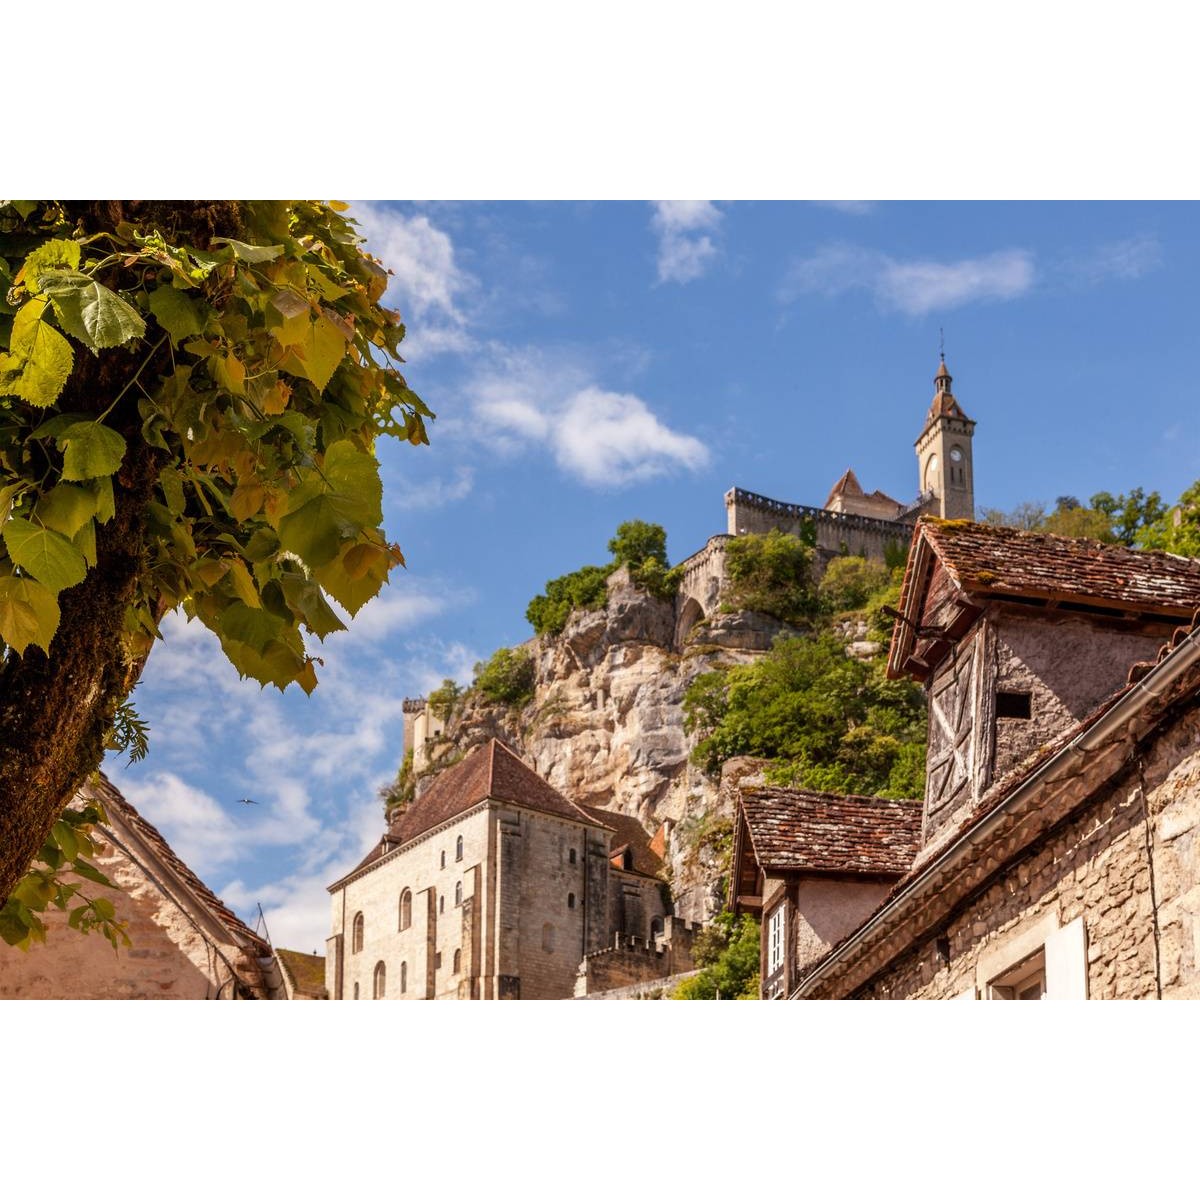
(691, 614)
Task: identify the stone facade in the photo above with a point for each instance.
(1065, 863)
(501, 899)
(186, 945)
(633, 960)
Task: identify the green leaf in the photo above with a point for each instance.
(313, 531)
(354, 479)
(248, 253)
(48, 556)
(243, 585)
(91, 451)
(64, 835)
(98, 317)
(305, 597)
(177, 313)
(39, 359)
(172, 487)
(66, 509)
(85, 542)
(252, 626)
(83, 867)
(29, 613)
(350, 593)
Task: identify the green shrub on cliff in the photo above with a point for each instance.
(770, 573)
(727, 952)
(506, 677)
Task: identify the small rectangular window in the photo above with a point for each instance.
(1017, 706)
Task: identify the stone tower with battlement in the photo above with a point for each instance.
(944, 454)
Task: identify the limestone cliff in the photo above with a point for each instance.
(605, 725)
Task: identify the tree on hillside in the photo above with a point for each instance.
(1107, 518)
(190, 394)
(1176, 530)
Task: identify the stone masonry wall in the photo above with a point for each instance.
(1134, 881)
(168, 960)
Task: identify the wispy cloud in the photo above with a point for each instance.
(911, 286)
(600, 437)
(853, 208)
(428, 285)
(1129, 258)
(685, 247)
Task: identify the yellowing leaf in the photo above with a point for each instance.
(29, 613)
(243, 585)
(39, 359)
(275, 401)
(48, 556)
(247, 499)
(313, 531)
(58, 254)
(316, 354)
(229, 372)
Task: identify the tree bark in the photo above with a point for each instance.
(56, 709)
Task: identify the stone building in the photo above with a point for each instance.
(186, 944)
(812, 866)
(852, 521)
(1059, 853)
(491, 885)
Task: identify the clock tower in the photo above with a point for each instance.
(947, 478)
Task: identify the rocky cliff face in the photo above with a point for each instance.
(605, 725)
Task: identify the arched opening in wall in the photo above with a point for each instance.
(458, 849)
(457, 894)
(627, 859)
(691, 615)
(380, 984)
(405, 908)
(356, 938)
(403, 978)
(457, 961)
(356, 991)
(656, 928)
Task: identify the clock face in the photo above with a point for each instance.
(956, 455)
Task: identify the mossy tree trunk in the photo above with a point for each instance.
(56, 709)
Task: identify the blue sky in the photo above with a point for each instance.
(593, 363)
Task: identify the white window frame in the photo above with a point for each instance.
(776, 939)
(1041, 946)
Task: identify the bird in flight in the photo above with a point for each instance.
(245, 800)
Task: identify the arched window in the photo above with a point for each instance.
(570, 899)
(405, 909)
(356, 991)
(656, 927)
(443, 858)
(572, 858)
(457, 961)
(356, 938)
(380, 986)
(627, 860)
(458, 893)
(441, 904)
(403, 978)
(458, 847)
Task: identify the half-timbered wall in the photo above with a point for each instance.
(960, 716)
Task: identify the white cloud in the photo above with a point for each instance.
(853, 208)
(685, 249)
(437, 493)
(1130, 258)
(915, 286)
(428, 285)
(602, 438)
(611, 439)
(198, 829)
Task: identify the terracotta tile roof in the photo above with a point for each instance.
(491, 771)
(628, 832)
(796, 830)
(306, 971)
(1001, 562)
(115, 803)
(848, 485)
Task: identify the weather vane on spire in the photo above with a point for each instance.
(942, 343)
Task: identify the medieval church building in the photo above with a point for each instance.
(492, 885)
